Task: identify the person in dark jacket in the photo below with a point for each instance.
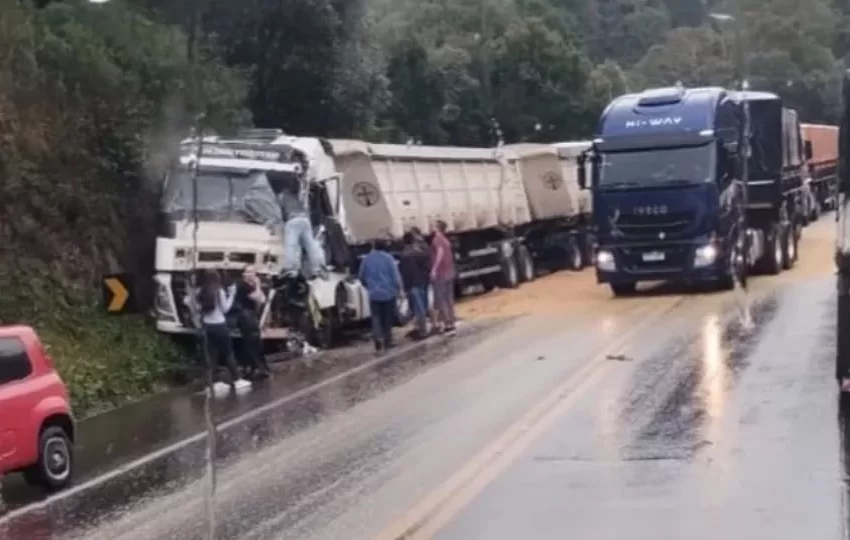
(248, 304)
(379, 274)
(414, 266)
(424, 243)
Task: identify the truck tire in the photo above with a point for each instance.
(323, 335)
(54, 468)
(727, 277)
(527, 271)
(623, 289)
(575, 255)
(775, 252)
(488, 283)
(510, 273)
(736, 267)
(790, 254)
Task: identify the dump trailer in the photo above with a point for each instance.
(669, 200)
(510, 211)
(821, 142)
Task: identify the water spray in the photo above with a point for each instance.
(201, 336)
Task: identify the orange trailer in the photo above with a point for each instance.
(823, 140)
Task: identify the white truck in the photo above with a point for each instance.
(226, 238)
(509, 210)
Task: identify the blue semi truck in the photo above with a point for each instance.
(669, 202)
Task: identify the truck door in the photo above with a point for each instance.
(16, 403)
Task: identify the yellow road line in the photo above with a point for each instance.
(438, 508)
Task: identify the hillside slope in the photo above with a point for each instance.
(88, 97)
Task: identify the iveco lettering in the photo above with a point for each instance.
(667, 181)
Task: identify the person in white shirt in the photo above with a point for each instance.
(215, 302)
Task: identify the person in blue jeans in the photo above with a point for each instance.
(298, 234)
(414, 267)
(379, 274)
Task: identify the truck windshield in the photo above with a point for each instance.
(220, 196)
(659, 166)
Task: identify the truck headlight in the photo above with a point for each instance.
(163, 304)
(605, 261)
(705, 255)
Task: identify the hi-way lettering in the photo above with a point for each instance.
(655, 122)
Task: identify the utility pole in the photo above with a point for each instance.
(744, 86)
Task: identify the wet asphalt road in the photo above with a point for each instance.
(654, 417)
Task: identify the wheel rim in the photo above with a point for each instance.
(57, 459)
(512, 273)
(792, 249)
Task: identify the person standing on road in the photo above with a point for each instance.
(379, 274)
(443, 277)
(423, 244)
(215, 303)
(248, 304)
(414, 265)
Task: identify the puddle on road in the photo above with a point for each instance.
(686, 386)
(743, 304)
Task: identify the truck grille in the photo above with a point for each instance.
(670, 226)
(676, 258)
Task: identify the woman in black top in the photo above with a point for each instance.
(248, 303)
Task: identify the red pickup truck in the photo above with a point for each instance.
(36, 423)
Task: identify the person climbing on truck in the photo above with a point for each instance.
(298, 233)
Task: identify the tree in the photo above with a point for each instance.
(692, 56)
(539, 83)
(86, 97)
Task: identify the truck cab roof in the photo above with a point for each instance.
(273, 151)
(658, 114)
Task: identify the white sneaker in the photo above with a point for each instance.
(220, 389)
(242, 385)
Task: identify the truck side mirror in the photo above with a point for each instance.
(807, 150)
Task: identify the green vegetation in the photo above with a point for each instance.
(93, 97)
(85, 96)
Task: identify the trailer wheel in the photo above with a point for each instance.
(488, 283)
(576, 257)
(526, 264)
(510, 273)
(623, 289)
